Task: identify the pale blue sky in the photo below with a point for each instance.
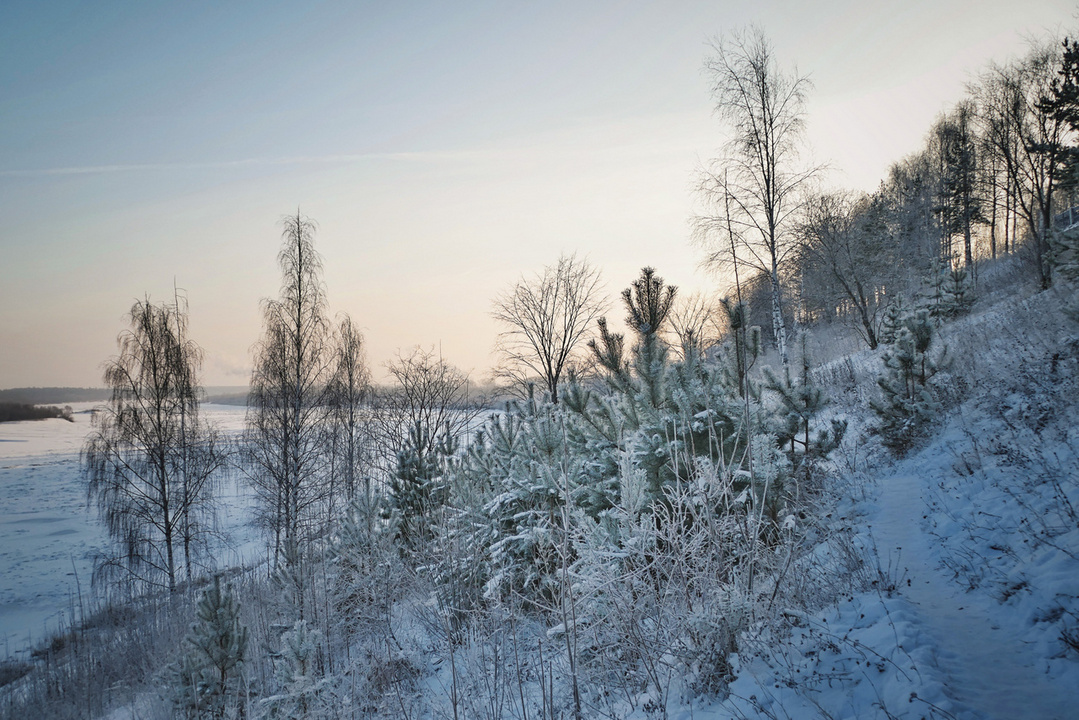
(443, 148)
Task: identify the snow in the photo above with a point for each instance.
(49, 535)
(984, 652)
(978, 535)
(991, 594)
(948, 581)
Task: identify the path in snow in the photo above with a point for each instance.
(984, 661)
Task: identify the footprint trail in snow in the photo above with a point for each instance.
(987, 667)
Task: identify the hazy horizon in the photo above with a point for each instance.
(444, 150)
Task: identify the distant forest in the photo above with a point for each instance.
(10, 412)
(225, 394)
(52, 395)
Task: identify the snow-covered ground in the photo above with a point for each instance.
(944, 585)
(49, 535)
(978, 534)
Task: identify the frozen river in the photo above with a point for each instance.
(49, 536)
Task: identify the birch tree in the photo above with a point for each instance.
(286, 409)
(349, 393)
(760, 178)
(151, 458)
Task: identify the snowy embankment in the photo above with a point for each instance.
(49, 536)
(974, 611)
(942, 585)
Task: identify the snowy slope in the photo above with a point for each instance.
(978, 532)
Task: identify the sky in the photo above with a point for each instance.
(446, 150)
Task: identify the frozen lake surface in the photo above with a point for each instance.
(49, 535)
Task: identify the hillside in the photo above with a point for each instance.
(894, 582)
(971, 544)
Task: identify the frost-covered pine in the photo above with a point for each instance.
(744, 347)
(1065, 247)
(908, 403)
(771, 471)
(524, 513)
(951, 292)
(958, 293)
(417, 488)
(893, 318)
(365, 569)
(300, 687)
(801, 401)
(206, 680)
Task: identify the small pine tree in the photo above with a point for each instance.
(892, 321)
(801, 401)
(771, 471)
(958, 293)
(746, 347)
(951, 293)
(300, 689)
(416, 489)
(908, 404)
(365, 570)
(1065, 248)
(208, 674)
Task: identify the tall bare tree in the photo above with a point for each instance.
(1026, 139)
(286, 407)
(760, 178)
(910, 192)
(150, 459)
(349, 395)
(547, 320)
(428, 393)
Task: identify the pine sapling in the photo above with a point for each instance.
(208, 674)
(417, 489)
(908, 403)
(802, 400)
(1065, 257)
(892, 321)
(299, 686)
(950, 293)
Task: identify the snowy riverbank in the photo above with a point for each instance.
(49, 535)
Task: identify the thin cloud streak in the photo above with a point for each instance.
(654, 132)
(214, 165)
